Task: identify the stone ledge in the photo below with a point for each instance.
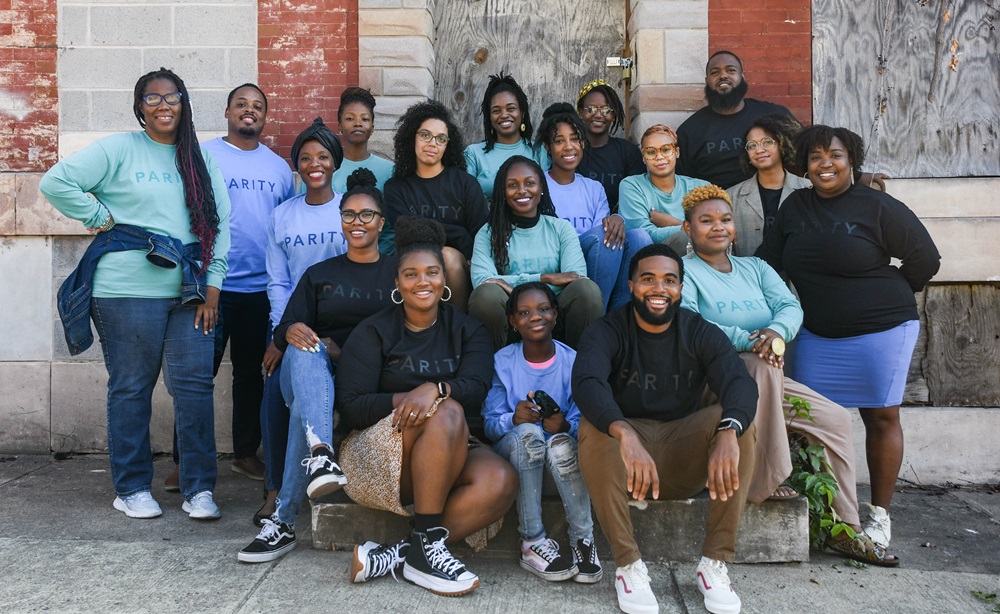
(395, 22)
(771, 532)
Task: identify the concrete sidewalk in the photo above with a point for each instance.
(68, 550)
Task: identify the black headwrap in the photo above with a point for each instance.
(324, 136)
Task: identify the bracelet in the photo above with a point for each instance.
(107, 225)
(434, 407)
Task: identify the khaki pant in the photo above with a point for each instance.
(831, 429)
(680, 448)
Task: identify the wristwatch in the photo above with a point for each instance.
(778, 346)
(731, 423)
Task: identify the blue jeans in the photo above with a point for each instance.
(273, 426)
(528, 451)
(608, 267)
(307, 385)
(138, 337)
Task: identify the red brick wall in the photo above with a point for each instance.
(29, 116)
(307, 53)
(774, 40)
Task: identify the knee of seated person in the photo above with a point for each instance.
(586, 291)
(637, 238)
(453, 259)
(450, 416)
(563, 455)
(528, 436)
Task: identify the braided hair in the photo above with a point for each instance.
(610, 95)
(199, 198)
(499, 84)
(500, 221)
(559, 113)
(405, 141)
(362, 181)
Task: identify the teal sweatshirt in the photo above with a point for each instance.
(484, 166)
(749, 298)
(380, 167)
(637, 196)
(134, 178)
(551, 246)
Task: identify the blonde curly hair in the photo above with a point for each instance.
(702, 193)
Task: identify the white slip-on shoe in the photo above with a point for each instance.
(140, 505)
(202, 506)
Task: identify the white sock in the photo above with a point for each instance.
(526, 545)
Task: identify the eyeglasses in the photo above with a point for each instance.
(154, 100)
(605, 110)
(651, 153)
(766, 142)
(365, 215)
(426, 137)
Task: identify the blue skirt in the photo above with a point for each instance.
(864, 371)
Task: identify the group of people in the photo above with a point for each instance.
(436, 333)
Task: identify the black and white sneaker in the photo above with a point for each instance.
(543, 560)
(274, 541)
(325, 476)
(585, 557)
(373, 560)
(429, 564)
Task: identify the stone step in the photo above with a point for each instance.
(770, 532)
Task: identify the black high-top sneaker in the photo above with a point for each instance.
(429, 564)
(325, 476)
(372, 560)
(585, 557)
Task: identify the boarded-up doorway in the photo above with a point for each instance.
(552, 48)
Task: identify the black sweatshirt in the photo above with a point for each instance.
(622, 371)
(837, 253)
(335, 295)
(453, 198)
(610, 164)
(383, 357)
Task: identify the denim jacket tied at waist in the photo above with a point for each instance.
(74, 295)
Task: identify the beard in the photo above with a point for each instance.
(651, 318)
(249, 132)
(727, 101)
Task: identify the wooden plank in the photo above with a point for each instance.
(962, 364)
(552, 48)
(916, 392)
(938, 122)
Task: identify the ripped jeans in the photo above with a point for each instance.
(307, 386)
(526, 448)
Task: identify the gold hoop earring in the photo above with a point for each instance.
(392, 296)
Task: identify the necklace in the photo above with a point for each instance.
(416, 328)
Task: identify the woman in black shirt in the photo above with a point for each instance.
(835, 242)
(408, 377)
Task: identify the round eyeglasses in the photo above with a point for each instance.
(154, 100)
(651, 153)
(766, 142)
(426, 137)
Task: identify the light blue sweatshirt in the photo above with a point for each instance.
(551, 246)
(583, 203)
(381, 167)
(514, 378)
(484, 165)
(637, 196)
(135, 179)
(749, 298)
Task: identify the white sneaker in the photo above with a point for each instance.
(140, 505)
(713, 582)
(635, 595)
(878, 527)
(202, 507)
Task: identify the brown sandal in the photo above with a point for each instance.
(862, 549)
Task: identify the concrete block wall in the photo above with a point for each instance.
(396, 60)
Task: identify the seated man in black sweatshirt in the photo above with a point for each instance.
(650, 427)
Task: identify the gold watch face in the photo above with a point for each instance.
(778, 347)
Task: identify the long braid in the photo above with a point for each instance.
(500, 221)
(199, 197)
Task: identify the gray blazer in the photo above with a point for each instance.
(749, 212)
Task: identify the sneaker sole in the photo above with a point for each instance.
(588, 578)
(198, 515)
(121, 507)
(722, 608)
(638, 608)
(438, 586)
(265, 557)
(324, 486)
(551, 576)
(253, 476)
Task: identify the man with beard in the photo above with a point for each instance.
(650, 427)
(711, 139)
(258, 180)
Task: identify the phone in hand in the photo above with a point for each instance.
(543, 400)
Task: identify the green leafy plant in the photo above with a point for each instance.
(812, 477)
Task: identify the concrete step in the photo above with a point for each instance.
(770, 532)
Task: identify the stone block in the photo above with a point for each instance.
(770, 532)
(391, 108)
(947, 197)
(968, 247)
(381, 143)
(72, 142)
(130, 25)
(669, 14)
(402, 22)
(242, 66)
(202, 67)
(8, 190)
(73, 22)
(223, 26)
(379, 4)
(644, 120)
(407, 82)
(24, 408)
(99, 68)
(111, 110)
(74, 110)
(395, 51)
(209, 107)
(66, 253)
(667, 97)
(417, 4)
(371, 80)
(686, 53)
(649, 57)
(33, 213)
(26, 315)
